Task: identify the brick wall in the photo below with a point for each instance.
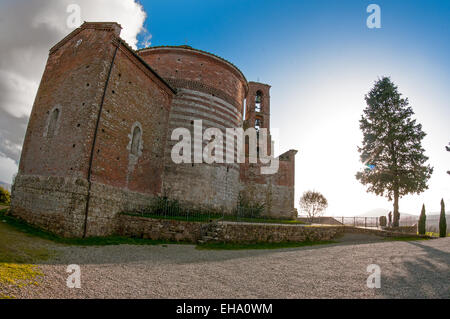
(212, 90)
(101, 90)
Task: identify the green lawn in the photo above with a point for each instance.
(412, 238)
(208, 218)
(192, 218)
(27, 229)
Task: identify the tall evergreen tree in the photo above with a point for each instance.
(448, 150)
(391, 147)
(442, 221)
(422, 221)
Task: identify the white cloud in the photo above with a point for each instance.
(30, 29)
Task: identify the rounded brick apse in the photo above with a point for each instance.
(209, 89)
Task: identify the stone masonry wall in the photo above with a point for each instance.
(159, 229)
(56, 204)
(276, 191)
(256, 233)
(229, 232)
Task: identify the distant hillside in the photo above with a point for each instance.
(5, 186)
(432, 223)
(377, 212)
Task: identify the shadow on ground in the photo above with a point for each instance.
(424, 276)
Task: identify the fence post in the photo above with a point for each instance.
(354, 221)
(365, 222)
(342, 220)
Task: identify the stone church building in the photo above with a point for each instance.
(99, 136)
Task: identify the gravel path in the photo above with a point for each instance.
(419, 269)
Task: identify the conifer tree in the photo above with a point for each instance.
(422, 221)
(442, 221)
(391, 147)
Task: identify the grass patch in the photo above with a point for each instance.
(237, 246)
(30, 230)
(412, 238)
(187, 218)
(262, 220)
(433, 234)
(209, 218)
(18, 274)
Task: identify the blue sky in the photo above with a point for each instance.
(320, 59)
(255, 34)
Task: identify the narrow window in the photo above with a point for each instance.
(54, 116)
(136, 141)
(258, 101)
(257, 124)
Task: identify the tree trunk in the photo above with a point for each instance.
(396, 221)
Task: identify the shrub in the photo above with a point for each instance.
(383, 221)
(248, 209)
(442, 221)
(422, 221)
(162, 205)
(5, 196)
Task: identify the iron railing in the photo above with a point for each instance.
(174, 211)
(368, 222)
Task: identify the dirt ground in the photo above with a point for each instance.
(409, 269)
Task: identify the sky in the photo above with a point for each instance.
(319, 57)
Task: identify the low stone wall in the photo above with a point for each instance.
(271, 233)
(160, 229)
(230, 232)
(174, 230)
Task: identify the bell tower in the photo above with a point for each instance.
(257, 112)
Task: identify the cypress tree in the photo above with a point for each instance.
(422, 221)
(442, 221)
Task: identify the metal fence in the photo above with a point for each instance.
(359, 221)
(374, 222)
(168, 209)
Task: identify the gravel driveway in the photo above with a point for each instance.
(418, 269)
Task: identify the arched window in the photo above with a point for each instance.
(52, 123)
(258, 101)
(136, 141)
